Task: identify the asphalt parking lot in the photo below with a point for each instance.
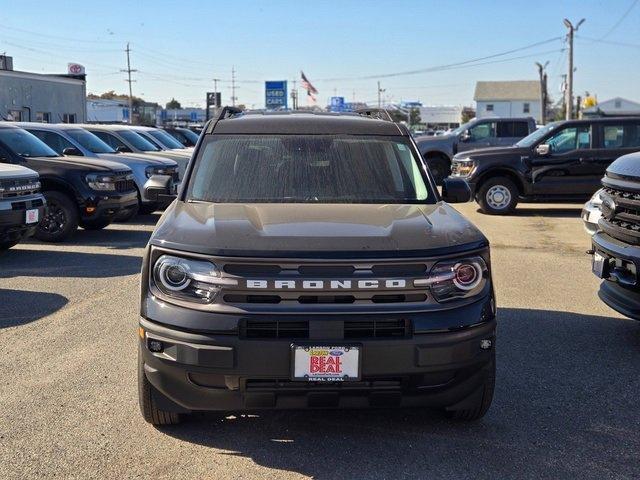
(566, 401)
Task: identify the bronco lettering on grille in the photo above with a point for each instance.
(325, 284)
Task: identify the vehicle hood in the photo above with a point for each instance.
(10, 171)
(332, 230)
(627, 167)
(155, 159)
(492, 152)
(134, 159)
(439, 141)
(77, 163)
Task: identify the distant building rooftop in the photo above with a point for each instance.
(507, 91)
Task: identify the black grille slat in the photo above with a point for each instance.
(377, 329)
(299, 329)
(125, 185)
(275, 329)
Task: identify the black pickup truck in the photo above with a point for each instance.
(21, 204)
(616, 246)
(78, 191)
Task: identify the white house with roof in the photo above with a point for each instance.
(516, 98)
(616, 107)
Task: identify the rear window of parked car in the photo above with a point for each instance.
(621, 136)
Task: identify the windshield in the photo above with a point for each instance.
(138, 141)
(24, 143)
(308, 169)
(89, 141)
(190, 135)
(165, 139)
(530, 140)
(461, 128)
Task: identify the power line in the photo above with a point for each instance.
(40, 34)
(620, 20)
(608, 42)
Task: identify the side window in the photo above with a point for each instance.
(504, 129)
(482, 131)
(109, 139)
(570, 138)
(54, 140)
(489, 107)
(526, 108)
(520, 129)
(621, 136)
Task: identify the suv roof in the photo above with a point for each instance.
(298, 122)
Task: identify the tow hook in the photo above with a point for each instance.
(590, 252)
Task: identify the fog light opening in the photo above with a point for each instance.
(486, 344)
(155, 346)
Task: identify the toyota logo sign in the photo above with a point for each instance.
(75, 69)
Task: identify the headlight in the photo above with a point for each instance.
(186, 279)
(461, 278)
(463, 168)
(150, 171)
(101, 182)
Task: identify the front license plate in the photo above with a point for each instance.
(598, 264)
(32, 216)
(326, 363)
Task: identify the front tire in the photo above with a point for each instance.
(440, 169)
(498, 196)
(60, 220)
(150, 412)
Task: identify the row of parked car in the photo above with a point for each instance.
(85, 175)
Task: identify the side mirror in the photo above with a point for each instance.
(159, 189)
(543, 150)
(455, 190)
(72, 151)
(465, 136)
(123, 149)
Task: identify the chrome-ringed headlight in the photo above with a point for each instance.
(458, 278)
(155, 170)
(101, 182)
(463, 167)
(186, 279)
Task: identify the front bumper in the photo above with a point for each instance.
(107, 205)
(620, 288)
(208, 371)
(13, 217)
(590, 215)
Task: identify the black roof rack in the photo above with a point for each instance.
(226, 112)
(378, 113)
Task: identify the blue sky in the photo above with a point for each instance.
(179, 47)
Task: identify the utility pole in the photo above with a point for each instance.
(294, 95)
(233, 86)
(572, 31)
(380, 92)
(129, 71)
(543, 91)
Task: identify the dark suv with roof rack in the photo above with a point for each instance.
(78, 191)
(616, 246)
(310, 262)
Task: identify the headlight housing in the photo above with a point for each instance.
(463, 167)
(458, 278)
(101, 182)
(186, 279)
(159, 170)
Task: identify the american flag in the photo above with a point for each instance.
(306, 84)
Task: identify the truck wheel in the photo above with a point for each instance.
(60, 220)
(95, 224)
(150, 412)
(482, 401)
(498, 196)
(440, 169)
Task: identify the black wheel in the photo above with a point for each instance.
(60, 220)
(98, 224)
(127, 214)
(8, 244)
(482, 400)
(440, 168)
(150, 412)
(147, 209)
(498, 196)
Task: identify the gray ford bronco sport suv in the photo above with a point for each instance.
(309, 261)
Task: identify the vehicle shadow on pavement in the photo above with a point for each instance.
(564, 212)
(565, 406)
(18, 307)
(57, 263)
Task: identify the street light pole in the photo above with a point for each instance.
(569, 100)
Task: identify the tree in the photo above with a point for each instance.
(173, 104)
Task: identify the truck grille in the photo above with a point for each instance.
(299, 329)
(125, 185)
(21, 187)
(622, 222)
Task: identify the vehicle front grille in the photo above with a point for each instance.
(25, 205)
(623, 220)
(21, 187)
(299, 329)
(124, 185)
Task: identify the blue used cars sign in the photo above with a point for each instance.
(275, 95)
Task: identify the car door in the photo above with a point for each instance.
(480, 135)
(567, 170)
(614, 140)
(54, 140)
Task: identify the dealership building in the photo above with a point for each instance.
(37, 97)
